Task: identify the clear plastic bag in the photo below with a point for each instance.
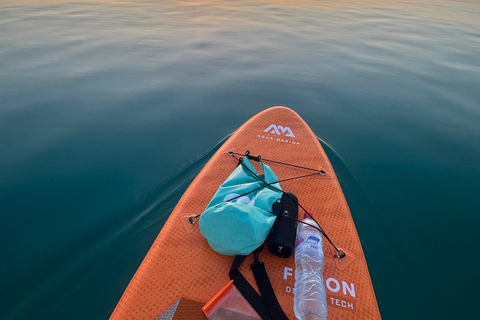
(229, 303)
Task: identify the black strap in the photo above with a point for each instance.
(253, 298)
(266, 305)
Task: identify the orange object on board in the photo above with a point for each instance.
(180, 264)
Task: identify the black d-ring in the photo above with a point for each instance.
(341, 253)
(192, 219)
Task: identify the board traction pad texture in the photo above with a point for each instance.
(181, 264)
(183, 309)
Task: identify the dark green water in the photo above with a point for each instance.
(108, 110)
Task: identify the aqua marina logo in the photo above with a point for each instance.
(279, 130)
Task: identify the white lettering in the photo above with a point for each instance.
(347, 288)
(287, 272)
(278, 139)
(342, 303)
(272, 129)
(329, 286)
(276, 129)
(288, 130)
(334, 286)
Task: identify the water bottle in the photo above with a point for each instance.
(310, 299)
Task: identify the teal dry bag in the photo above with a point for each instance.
(239, 226)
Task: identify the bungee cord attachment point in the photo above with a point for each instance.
(193, 218)
(340, 254)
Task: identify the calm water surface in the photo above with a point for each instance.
(108, 110)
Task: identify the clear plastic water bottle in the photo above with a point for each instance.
(310, 299)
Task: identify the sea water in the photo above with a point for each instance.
(108, 110)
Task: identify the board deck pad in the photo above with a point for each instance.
(180, 263)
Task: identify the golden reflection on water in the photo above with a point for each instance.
(228, 3)
(457, 10)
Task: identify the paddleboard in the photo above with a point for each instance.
(181, 269)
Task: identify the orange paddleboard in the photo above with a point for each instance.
(180, 263)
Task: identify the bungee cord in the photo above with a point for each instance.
(260, 159)
(340, 252)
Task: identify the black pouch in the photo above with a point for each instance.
(281, 239)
